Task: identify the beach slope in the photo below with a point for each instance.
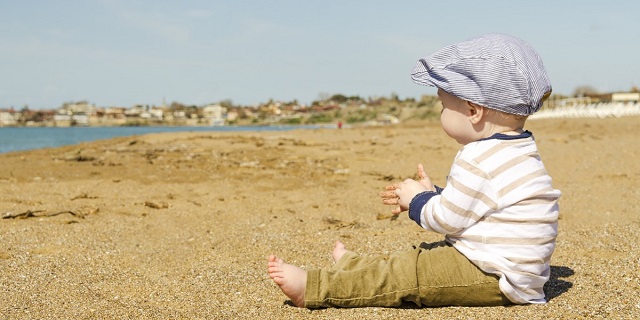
(180, 225)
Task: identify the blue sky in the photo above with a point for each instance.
(126, 52)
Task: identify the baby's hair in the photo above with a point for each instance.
(504, 115)
(507, 115)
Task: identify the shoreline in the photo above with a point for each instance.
(63, 136)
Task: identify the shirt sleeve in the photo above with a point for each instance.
(417, 203)
(467, 197)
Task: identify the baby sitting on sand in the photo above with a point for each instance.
(498, 210)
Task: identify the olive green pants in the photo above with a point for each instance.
(431, 275)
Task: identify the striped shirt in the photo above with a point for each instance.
(500, 211)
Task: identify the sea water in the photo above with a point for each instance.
(29, 138)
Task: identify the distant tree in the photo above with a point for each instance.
(191, 110)
(177, 106)
(583, 91)
(339, 98)
(320, 118)
(557, 96)
(227, 103)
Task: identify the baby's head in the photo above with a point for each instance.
(487, 85)
(497, 71)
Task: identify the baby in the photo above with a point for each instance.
(498, 211)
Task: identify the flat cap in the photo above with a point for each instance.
(495, 70)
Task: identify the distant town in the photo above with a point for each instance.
(336, 109)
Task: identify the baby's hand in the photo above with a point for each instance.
(390, 197)
(406, 190)
(424, 179)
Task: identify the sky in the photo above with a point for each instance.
(128, 52)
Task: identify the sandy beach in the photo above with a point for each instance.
(179, 225)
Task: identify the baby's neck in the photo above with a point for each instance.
(512, 132)
(499, 123)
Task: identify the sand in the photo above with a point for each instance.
(179, 225)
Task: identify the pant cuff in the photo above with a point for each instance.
(311, 292)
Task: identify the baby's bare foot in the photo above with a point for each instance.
(291, 279)
(338, 251)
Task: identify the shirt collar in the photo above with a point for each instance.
(502, 136)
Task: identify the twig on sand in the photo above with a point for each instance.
(76, 214)
(153, 205)
(32, 214)
(21, 215)
(83, 195)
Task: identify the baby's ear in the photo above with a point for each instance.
(475, 112)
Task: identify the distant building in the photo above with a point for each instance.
(156, 114)
(179, 115)
(8, 118)
(80, 119)
(232, 116)
(625, 97)
(387, 119)
(135, 111)
(570, 102)
(82, 107)
(215, 114)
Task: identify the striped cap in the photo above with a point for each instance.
(497, 71)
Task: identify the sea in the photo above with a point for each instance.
(30, 138)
